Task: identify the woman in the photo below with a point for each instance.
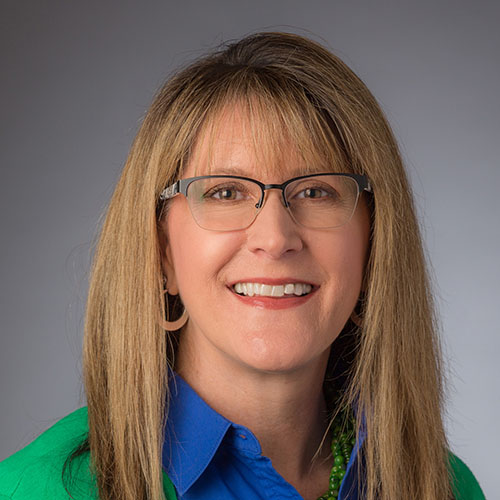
(259, 322)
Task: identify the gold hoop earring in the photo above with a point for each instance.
(356, 319)
(357, 313)
(172, 326)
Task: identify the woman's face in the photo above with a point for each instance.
(260, 333)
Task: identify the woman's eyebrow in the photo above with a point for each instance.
(251, 170)
(232, 170)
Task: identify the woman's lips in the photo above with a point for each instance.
(265, 290)
(301, 294)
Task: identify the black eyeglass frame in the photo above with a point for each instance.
(182, 185)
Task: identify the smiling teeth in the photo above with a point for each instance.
(252, 289)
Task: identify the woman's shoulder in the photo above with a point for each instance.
(465, 485)
(36, 471)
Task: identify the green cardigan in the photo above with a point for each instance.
(35, 472)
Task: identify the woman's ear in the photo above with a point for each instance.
(167, 263)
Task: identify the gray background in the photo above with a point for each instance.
(76, 78)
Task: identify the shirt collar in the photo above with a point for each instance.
(193, 433)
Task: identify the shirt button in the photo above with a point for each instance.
(242, 436)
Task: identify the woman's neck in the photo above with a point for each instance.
(286, 411)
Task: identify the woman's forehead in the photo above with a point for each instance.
(237, 142)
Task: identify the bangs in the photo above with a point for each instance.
(278, 119)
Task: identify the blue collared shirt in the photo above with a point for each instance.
(208, 457)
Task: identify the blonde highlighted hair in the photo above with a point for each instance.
(298, 91)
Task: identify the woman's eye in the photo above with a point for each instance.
(314, 193)
(225, 193)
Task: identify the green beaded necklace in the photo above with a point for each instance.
(342, 445)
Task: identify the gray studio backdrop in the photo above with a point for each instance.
(76, 78)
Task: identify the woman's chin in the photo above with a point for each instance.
(262, 356)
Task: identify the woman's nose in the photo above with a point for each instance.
(274, 232)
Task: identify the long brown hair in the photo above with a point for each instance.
(297, 89)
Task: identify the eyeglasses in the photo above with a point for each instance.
(231, 202)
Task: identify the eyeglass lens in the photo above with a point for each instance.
(228, 204)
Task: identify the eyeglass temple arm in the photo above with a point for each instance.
(365, 183)
(170, 191)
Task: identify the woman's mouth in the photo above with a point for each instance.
(272, 293)
(251, 289)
